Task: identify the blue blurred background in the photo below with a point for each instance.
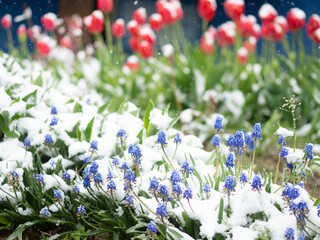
(125, 8)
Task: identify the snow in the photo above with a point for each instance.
(161, 121)
(281, 131)
(168, 50)
(265, 10)
(298, 13)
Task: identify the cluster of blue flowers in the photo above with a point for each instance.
(136, 153)
(44, 212)
(177, 138)
(218, 125)
(57, 196)
(216, 140)
(230, 160)
(122, 134)
(39, 178)
(66, 176)
(48, 140)
(27, 143)
(162, 138)
(256, 183)
(243, 177)
(289, 234)
(186, 168)
(229, 184)
(282, 141)
(128, 201)
(309, 150)
(81, 211)
(94, 145)
(13, 179)
(54, 121)
(162, 211)
(152, 228)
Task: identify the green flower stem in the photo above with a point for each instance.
(108, 32)
(204, 26)
(252, 164)
(167, 156)
(276, 175)
(10, 40)
(217, 165)
(143, 203)
(175, 151)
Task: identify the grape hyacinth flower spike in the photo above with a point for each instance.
(81, 211)
(289, 234)
(152, 229)
(162, 139)
(218, 125)
(27, 143)
(256, 183)
(44, 212)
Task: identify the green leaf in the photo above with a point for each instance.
(216, 186)
(175, 233)
(102, 108)
(147, 114)
(77, 108)
(9, 133)
(316, 202)
(114, 104)
(139, 136)
(19, 230)
(138, 225)
(38, 81)
(87, 234)
(88, 131)
(32, 94)
(220, 215)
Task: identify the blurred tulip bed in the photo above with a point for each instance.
(164, 143)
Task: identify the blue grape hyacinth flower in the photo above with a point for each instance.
(27, 143)
(256, 132)
(216, 140)
(218, 125)
(177, 138)
(44, 212)
(54, 121)
(229, 184)
(162, 138)
(94, 145)
(256, 183)
(54, 110)
(289, 234)
(152, 227)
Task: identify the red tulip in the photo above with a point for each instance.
(43, 46)
(146, 34)
(22, 31)
(296, 19)
(207, 9)
(316, 36)
(160, 4)
(282, 21)
(207, 43)
(66, 42)
(155, 21)
(267, 13)
(6, 21)
(140, 15)
(250, 44)
(118, 28)
(213, 31)
(178, 8)
(133, 28)
(146, 49)
(49, 21)
(94, 22)
(105, 5)
(246, 25)
(226, 34)
(256, 30)
(134, 44)
(167, 12)
(34, 32)
(272, 31)
(312, 24)
(132, 63)
(243, 55)
(76, 21)
(234, 8)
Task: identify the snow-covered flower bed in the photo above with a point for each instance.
(68, 157)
